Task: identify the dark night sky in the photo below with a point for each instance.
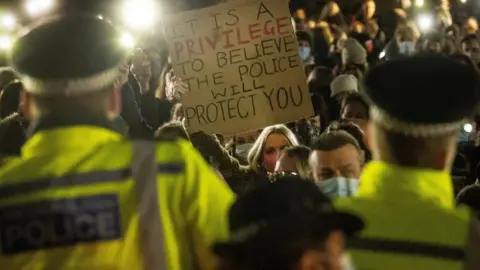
(108, 7)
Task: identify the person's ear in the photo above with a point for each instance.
(26, 106)
(446, 156)
(367, 134)
(115, 103)
(362, 157)
(443, 159)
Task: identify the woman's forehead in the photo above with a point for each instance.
(276, 139)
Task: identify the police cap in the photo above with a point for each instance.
(422, 96)
(69, 55)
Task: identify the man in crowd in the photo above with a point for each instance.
(444, 16)
(470, 46)
(305, 51)
(408, 186)
(336, 162)
(403, 44)
(340, 87)
(7, 75)
(81, 196)
(354, 57)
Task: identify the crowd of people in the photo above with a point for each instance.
(100, 172)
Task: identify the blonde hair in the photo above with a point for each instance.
(330, 7)
(256, 152)
(327, 33)
(470, 26)
(408, 29)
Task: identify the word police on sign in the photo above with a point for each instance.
(240, 61)
(49, 224)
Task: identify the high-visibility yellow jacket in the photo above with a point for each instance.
(411, 221)
(80, 198)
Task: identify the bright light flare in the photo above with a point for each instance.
(6, 42)
(463, 1)
(468, 128)
(419, 3)
(127, 40)
(382, 55)
(8, 21)
(139, 14)
(425, 22)
(37, 7)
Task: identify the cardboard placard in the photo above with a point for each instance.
(240, 61)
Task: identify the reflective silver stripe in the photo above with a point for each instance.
(69, 180)
(81, 179)
(144, 173)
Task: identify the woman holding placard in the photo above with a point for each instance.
(261, 159)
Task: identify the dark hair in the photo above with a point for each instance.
(162, 81)
(346, 125)
(470, 196)
(171, 131)
(300, 154)
(466, 60)
(353, 129)
(450, 47)
(302, 35)
(10, 99)
(12, 136)
(298, 151)
(461, 165)
(468, 38)
(333, 140)
(354, 97)
(435, 36)
(7, 76)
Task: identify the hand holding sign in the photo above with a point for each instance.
(240, 62)
(175, 88)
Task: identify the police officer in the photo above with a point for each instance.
(81, 196)
(419, 105)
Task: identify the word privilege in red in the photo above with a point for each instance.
(231, 38)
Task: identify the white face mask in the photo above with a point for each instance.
(406, 47)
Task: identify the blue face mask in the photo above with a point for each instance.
(463, 136)
(304, 53)
(339, 187)
(406, 47)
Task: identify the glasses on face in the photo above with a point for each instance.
(275, 176)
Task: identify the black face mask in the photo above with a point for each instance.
(313, 131)
(306, 131)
